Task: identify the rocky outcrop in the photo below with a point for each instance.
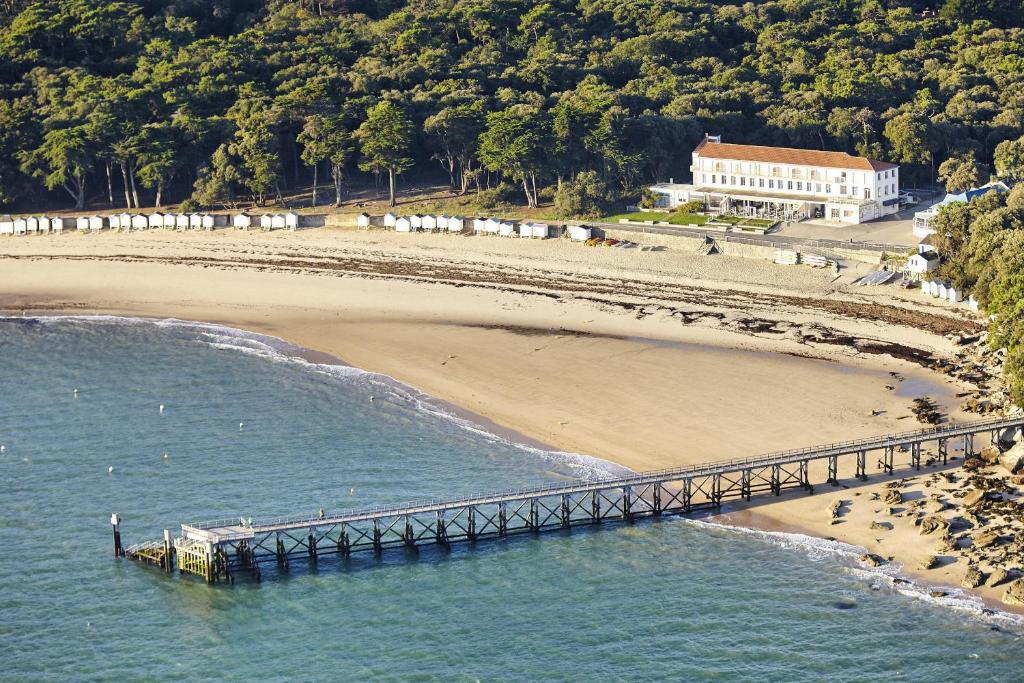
(998, 576)
(930, 525)
(986, 538)
(1014, 593)
(930, 562)
(972, 578)
(990, 454)
(974, 497)
(946, 544)
(871, 559)
(1013, 460)
(892, 497)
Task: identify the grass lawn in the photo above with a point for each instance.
(673, 218)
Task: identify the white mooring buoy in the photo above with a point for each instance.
(240, 425)
(110, 470)
(161, 408)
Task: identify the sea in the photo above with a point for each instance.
(165, 422)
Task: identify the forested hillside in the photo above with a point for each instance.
(234, 100)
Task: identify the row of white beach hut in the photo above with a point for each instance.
(266, 221)
(947, 292)
(480, 226)
(32, 225)
(136, 221)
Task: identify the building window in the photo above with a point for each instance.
(789, 184)
(760, 182)
(743, 181)
(817, 188)
(842, 189)
(732, 180)
(835, 213)
(828, 189)
(867, 193)
(776, 171)
(771, 184)
(799, 186)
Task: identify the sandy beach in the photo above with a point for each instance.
(648, 359)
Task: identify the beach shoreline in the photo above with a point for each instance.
(560, 372)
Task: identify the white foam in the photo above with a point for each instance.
(272, 348)
(887, 575)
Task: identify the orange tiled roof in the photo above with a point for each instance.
(789, 155)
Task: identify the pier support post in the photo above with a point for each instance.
(502, 520)
(862, 465)
(168, 549)
(657, 498)
(745, 484)
(595, 507)
(471, 524)
(833, 470)
(968, 445)
(687, 495)
(311, 545)
(776, 487)
(627, 503)
(565, 511)
(407, 537)
(440, 531)
(915, 455)
(534, 516)
(716, 490)
(805, 477)
(282, 556)
(115, 522)
(887, 458)
(344, 546)
(378, 547)
(944, 450)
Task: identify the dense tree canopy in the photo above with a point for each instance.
(227, 100)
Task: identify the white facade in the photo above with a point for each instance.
(390, 219)
(156, 220)
(241, 221)
(455, 224)
(140, 222)
(403, 224)
(579, 233)
(429, 222)
(920, 264)
(6, 225)
(479, 225)
(363, 220)
(57, 224)
(789, 183)
(266, 221)
(20, 226)
(97, 223)
(291, 221)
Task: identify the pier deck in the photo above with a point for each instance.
(220, 549)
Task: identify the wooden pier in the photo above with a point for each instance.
(220, 550)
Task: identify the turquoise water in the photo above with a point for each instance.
(672, 600)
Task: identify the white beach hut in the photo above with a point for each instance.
(32, 225)
(20, 226)
(972, 303)
(115, 221)
(241, 221)
(140, 222)
(491, 226)
(363, 221)
(954, 295)
(267, 222)
(403, 224)
(97, 223)
(156, 220)
(442, 222)
(455, 223)
(291, 221)
(170, 220)
(416, 221)
(479, 226)
(526, 230)
(278, 221)
(209, 221)
(181, 221)
(942, 291)
(540, 230)
(429, 222)
(124, 221)
(507, 229)
(82, 223)
(57, 224)
(195, 221)
(579, 233)
(45, 224)
(6, 225)
(390, 220)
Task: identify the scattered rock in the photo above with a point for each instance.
(990, 454)
(892, 497)
(930, 562)
(972, 578)
(938, 594)
(1013, 459)
(835, 507)
(871, 559)
(946, 544)
(934, 506)
(971, 464)
(844, 604)
(930, 525)
(890, 510)
(985, 538)
(1014, 594)
(973, 498)
(883, 526)
(998, 576)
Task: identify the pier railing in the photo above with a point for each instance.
(667, 474)
(217, 550)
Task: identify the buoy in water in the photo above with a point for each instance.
(110, 470)
(161, 408)
(74, 392)
(165, 456)
(240, 425)
(352, 491)
(371, 399)
(3, 448)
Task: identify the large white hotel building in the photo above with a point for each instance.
(786, 183)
